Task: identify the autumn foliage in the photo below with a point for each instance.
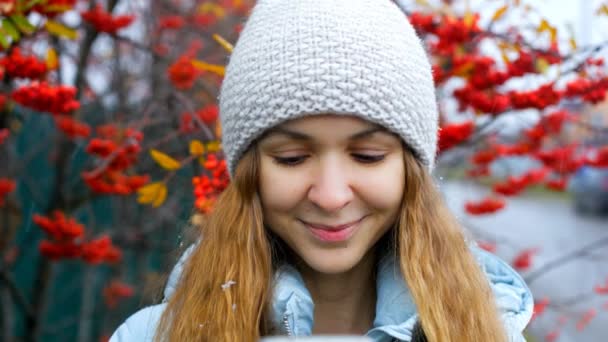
(129, 94)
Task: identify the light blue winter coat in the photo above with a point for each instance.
(395, 310)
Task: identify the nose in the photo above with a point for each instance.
(331, 186)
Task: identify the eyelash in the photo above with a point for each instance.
(294, 161)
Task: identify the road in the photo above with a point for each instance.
(551, 225)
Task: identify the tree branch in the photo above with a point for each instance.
(532, 276)
(85, 50)
(16, 292)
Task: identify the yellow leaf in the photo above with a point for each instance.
(422, 2)
(57, 8)
(153, 193)
(218, 130)
(162, 196)
(504, 46)
(504, 56)
(542, 65)
(213, 146)
(60, 30)
(148, 189)
(150, 192)
(165, 161)
(223, 42)
(573, 44)
(544, 26)
(460, 50)
(553, 33)
(210, 7)
(517, 47)
(51, 59)
(196, 148)
(500, 12)
(465, 69)
(603, 10)
(469, 18)
(217, 69)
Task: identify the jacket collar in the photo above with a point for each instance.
(396, 314)
(293, 308)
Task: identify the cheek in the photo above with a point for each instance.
(280, 190)
(384, 188)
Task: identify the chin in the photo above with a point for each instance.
(334, 261)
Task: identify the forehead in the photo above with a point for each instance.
(327, 126)
(335, 120)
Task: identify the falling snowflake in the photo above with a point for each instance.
(228, 284)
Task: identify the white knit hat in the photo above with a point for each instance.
(303, 57)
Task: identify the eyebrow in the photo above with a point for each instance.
(305, 137)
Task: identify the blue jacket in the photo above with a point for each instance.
(396, 315)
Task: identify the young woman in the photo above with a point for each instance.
(332, 223)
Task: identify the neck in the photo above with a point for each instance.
(345, 303)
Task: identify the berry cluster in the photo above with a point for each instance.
(71, 127)
(171, 22)
(51, 8)
(451, 135)
(67, 241)
(116, 291)
(206, 189)
(119, 150)
(207, 115)
(6, 186)
(485, 206)
(43, 97)
(182, 73)
(104, 21)
(17, 65)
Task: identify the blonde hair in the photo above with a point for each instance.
(452, 294)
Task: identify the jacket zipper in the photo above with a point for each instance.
(286, 325)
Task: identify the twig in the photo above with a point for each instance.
(85, 320)
(85, 49)
(186, 102)
(16, 292)
(565, 259)
(7, 319)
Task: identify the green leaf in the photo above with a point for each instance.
(33, 3)
(11, 30)
(22, 23)
(4, 42)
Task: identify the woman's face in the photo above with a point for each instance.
(330, 187)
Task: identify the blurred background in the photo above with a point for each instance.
(110, 142)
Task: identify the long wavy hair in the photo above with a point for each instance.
(225, 289)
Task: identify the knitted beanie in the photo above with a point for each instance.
(296, 58)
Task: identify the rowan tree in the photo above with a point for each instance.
(109, 138)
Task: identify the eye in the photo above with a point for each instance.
(368, 158)
(289, 161)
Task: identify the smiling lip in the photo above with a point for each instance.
(332, 233)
